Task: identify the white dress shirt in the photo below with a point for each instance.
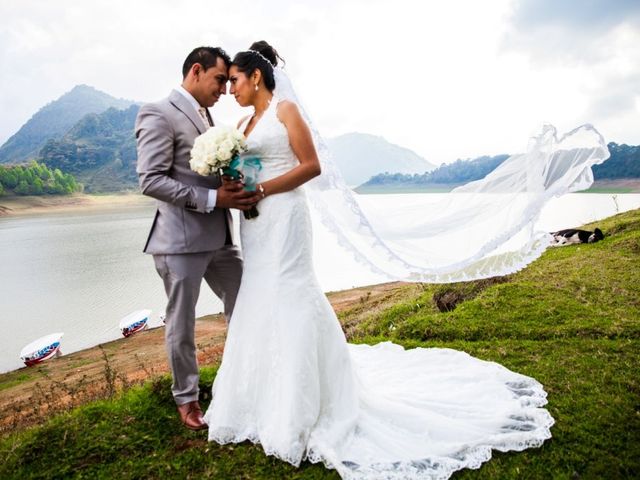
(213, 194)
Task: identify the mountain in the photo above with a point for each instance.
(360, 156)
(99, 150)
(55, 119)
(458, 172)
(623, 163)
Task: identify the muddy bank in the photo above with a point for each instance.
(31, 205)
(31, 394)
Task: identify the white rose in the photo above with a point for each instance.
(224, 154)
(229, 145)
(209, 159)
(198, 166)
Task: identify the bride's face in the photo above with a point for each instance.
(241, 87)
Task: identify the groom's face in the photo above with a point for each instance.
(210, 84)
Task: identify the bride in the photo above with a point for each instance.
(288, 378)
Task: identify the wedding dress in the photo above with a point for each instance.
(290, 381)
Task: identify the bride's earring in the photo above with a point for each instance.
(256, 87)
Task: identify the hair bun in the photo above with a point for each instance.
(267, 51)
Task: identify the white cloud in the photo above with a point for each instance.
(595, 44)
(435, 77)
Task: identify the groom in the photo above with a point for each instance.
(191, 236)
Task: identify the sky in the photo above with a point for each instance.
(449, 80)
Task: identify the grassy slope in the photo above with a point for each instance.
(570, 319)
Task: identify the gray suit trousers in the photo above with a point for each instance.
(182, 275)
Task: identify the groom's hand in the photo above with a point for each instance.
(232, 195)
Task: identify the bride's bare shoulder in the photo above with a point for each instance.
(287, 110)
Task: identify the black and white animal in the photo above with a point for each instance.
(573, 235)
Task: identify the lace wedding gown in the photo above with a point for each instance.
(290, 381)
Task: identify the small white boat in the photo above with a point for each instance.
(134, 322)
(41, 349)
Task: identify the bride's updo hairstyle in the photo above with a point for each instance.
(262, 56)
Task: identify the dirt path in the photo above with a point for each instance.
(31, 394)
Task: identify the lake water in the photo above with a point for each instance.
(80, 273)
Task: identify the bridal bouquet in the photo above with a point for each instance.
(217, 151)
(214, 150)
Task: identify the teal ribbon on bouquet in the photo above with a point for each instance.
(245, 169)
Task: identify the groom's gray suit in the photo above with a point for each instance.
(187, 242)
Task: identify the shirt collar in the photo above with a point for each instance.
(194, 103)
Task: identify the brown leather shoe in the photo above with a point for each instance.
(191, 416)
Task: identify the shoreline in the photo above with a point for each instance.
(620, 185)
(30, 395)
(14, 205)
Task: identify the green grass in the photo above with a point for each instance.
(610, 189)
(135, 435)
(571, 320)
(14, 380)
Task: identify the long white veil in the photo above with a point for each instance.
(482, 229)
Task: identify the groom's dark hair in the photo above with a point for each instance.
(205, 56)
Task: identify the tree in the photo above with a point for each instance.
(58, 176)
(37, 188)
(27, 174)
(22, 188)
(37, 179)
(9, 179)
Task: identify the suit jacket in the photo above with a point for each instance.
(165, 132)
